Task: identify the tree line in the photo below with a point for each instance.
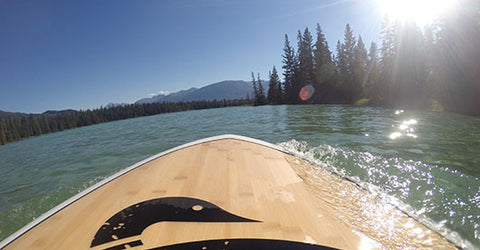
(18, 128)
(433, 67)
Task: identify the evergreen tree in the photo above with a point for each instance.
(275, 88)
(348, 49)
(346, 60)
(408, 85)
(3, 135)
(359, 69)
(387, 61)
(280, 90)
(336, 59)
(322, 58)
(305, 59)
(271, 90)
(324, 69)
(256, 91)
(458, 68)
(373, 85)
(261, 99)
(290, 69)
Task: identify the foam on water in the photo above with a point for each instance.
(415, 188)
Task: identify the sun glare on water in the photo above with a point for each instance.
(422, 12)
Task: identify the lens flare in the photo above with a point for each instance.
(306, 92)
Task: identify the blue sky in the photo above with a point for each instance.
(83, 54)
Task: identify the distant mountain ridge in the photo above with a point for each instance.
(56, 112)
(113, 105)
(8, 115)
(225, 90)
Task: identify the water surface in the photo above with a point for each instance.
(425, 162)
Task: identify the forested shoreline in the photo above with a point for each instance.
(18, 128)
(434, 67)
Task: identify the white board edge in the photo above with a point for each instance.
(103, 182)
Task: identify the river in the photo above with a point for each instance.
(427, 163)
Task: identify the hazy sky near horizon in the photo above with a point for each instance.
(57, 54)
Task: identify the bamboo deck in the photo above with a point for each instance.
(220, 189)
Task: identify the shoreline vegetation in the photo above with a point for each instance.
(19, 128)
(435, 67)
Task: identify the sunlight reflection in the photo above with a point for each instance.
(410, 122)
(405, 129)
(395, 135)
(369, 209)
(367, 243)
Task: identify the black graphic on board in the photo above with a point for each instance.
(126, 245)
(132, 220)
(240, 244)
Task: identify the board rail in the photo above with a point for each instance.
(319, 184)
(124, 171)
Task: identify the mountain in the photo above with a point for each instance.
(227, 90)
(8, 115)
(56, 112)
(180, 96)
(113, 105)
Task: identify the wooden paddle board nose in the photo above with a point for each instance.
(223, 192)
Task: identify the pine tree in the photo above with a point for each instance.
(280, 90)
(258, 91)
(359, 69)
(290, 69)
(458, 45)
(373, 86)
(255, 90)
(275, 88)
(324, 69)
(322, 58)
(388, 50)
(261, 99)
(271, 90)
(346, 60)
(305, 59)
(408, 89)
(3, 135)
(348, 48)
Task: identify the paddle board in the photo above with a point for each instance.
(223, 192)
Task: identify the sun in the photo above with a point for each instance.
(422, 12)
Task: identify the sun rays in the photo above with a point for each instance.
(422, 12)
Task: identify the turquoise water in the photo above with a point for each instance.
(427, 161)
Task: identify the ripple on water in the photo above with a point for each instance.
(415, 187)
(436, 173)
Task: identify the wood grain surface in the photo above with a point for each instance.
(241, 178)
